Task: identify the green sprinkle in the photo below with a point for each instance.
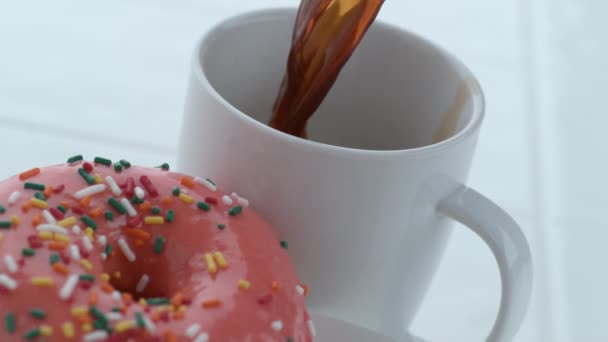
(289, 339)
(125, 163)
(235, 210)
(11, 326)
(5, 224)
(139, 319)
(108, 250)
(37, 313)
(89, 221)
(100, 317)
(109, 216)
(54, 258)
(136, 200)
(116, 309)
(164, 166)
(28, 252)
(74, 159)
(117, 167)
(39, 195)
(155, 210)
(116, 205)
(34, 186)
(157, 301)
(87, 277)
(170, 216)
(210, 181)
(61, 208)
(284, 244)
(203, 206)
(159, 244)
(86, 176)
(221, 226)
(32, 334)
(176, 191)
(102, 160)
(2, 209)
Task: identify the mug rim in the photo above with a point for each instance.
(471, 127)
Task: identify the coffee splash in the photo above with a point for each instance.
(325, 35)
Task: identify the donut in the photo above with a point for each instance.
(102, 251)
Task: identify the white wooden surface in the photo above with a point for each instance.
(108, 78)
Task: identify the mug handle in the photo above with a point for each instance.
(510, 248)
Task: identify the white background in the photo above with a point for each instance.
(108, 78)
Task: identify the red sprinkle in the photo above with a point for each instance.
(21, 262)
(265, 299)
(130, 191)
(59, 189)
(87, 167)
(83, 252)
(77, 210)
(65, 256)
(34, 241)
(211, 200)
(187, 301)
(85, 285)
(58, 215)
(134, 221)
(164, 316)
(150, 188)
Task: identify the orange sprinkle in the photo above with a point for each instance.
(96, 212)
(170, 336)
(29, 174)
(178, 315)
(84, 319)
(188, 182)
(139, 233)
(177, 299)
(145, 206)
(107, 287)
(167, 200)
(305, 287)
(25, 207)
(155, 317)
(93, 298)
(127, 299)
(211, 303)
(57, 245)
(276, 285)
(37, 220)
(85, 202)
(48, 192)
(61, 269)
(123, 309)
(65, 204)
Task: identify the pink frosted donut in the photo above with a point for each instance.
(95, 251)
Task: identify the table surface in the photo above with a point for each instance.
(109, 78)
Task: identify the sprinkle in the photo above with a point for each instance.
(28, 252)
(170, 216)
(103, 161)
(57, 245)
(113, 186)
(155, 210)
(8, 282)
(11, 325)
(67, 222)
(154, 220)
(38, 203)
(284, 244)
(37, 313)
(227, 200)
(32, 334)
(142, 283)
(219, 258)
(244, 284)
(85, 202)
(235, 210)
(221, 226)
(243, 202)
(12, 199)
(76, 229)
(136, 200)
(109, 215)
(2, 209)
(159, 243)
(34, 186)
(187, 182)
(265, 299)
(10, 263)
(86, 176)
(311, 328)
(211, 266)
(126, 250)
(139, 192)
(176, 191)
(90, 191)
(97, 335)
(275, 285)
(125, 163)
(114, 316)
(29, 174)
(192, 330)
(185, 198)
(57, 215)
(147, 183)
(158, 301)
(15, 220)
(86, 264)
(124, 326)
(211, 303)
(108, 249)
(39, 195)
(68, 329)
(60, 268)
(88, 245)
(78, 310)
(59, 237)
(207, 183)
(299, 290)
(54, 258)
(74, 159)
(139, 319)
(150, 327)
(203, 337)
(117, 167)
(47, 227)
(277, 325)
(5, 224)
(42, 281)
(74, 252)
(102, 239)
(203, 206)
(89, 222)
(1, 236)
(129, 208)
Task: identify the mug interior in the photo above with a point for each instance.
(396, 92)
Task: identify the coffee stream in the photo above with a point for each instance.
(325, 35)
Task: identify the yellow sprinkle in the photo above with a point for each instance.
(45, 235)
(105, 277)
(163, 308)
(1, 236)
(124, 326)
(143, 302)
(42, 281)
(79, 310)
(211, 266)
(185, 198)
(98, 178)
(154, 220)
(15, 220)
(67, 222)
(39, 203)
(86, 264)
(68, 329)
(244, 284)
(61, 237)
(90, 233)
(46, 330)
(86, 327)
(219, 258)
(116, 275)
(182, 308)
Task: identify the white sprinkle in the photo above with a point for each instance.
(48, 217)
(76, 229)
(126, 250)
(97, 335)
(87, 244)
(116, 296)
(12, 199)
(203, 337)
(48, 227)
(192, 330)
(74, 252)
(311, 328)
(150, 327)
(142, 283)
(8, 282)
(10, 263)
(90, 191)
(183, 191)
(277, 325)
(113, 186)
(130, 210)
(243, 201)
(104, 256)
(102, 239)
(114, 316)
(206, 183)
(68, 287)
(139, 192)
(235, 196)
(227, 200)
(300, 290)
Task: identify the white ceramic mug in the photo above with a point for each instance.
(366, 203)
